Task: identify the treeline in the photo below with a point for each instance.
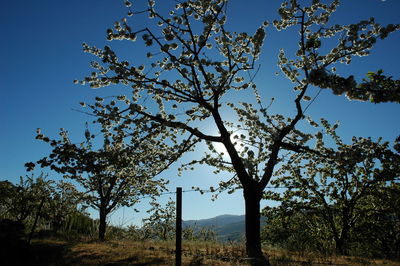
(342, 199)
(361, 219)
(160, 226)
(375, 232)
(40, 208)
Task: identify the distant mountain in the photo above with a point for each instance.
(228, 227)
(217, 221)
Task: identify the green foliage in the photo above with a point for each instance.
(30, 192)
(161, 222)
(377, 88)
(21, 202)
(116, 233)
(199, 233)
(8, 192)
(206, 234)
(377, 234)
(295, 230)
(79, 224)
(64, 203)
(137, 234)
(334, 191)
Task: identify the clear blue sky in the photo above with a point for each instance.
(41, 55)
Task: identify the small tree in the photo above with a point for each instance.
(41, 198)
(377, 233)
(295, 229)
(335, 183)
(162, 219)
(65, 201)
(8, 193)
(121, 171)
(198, 64)
(21, 202)
(78, 224)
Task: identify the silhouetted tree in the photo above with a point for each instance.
(336, 182)
(119, 172)
(161, 220)
(197, 66)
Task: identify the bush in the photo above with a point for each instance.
(14, 249)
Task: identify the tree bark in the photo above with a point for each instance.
(253, 239)
(339, 246)
(36, 220)
(341, 240)
(102, 225)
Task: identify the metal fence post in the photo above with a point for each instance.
(178, 250)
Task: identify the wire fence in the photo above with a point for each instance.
(202, 191)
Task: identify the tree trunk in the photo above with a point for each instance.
(341, 241)
(102, 225)
(253, 240)
(339, 246)
(36, 220)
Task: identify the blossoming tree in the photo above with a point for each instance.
(122, 169)
(161, 221)
(196, 64)
(336, 183)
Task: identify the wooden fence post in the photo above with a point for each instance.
(178, 237)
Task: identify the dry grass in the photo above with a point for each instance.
(162, 253)
(284, 257)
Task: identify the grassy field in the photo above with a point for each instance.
(57, 252)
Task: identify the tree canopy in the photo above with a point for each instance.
(334, 182)
(196, 63)
(122, 169)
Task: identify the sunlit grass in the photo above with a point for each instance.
(127, 252)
